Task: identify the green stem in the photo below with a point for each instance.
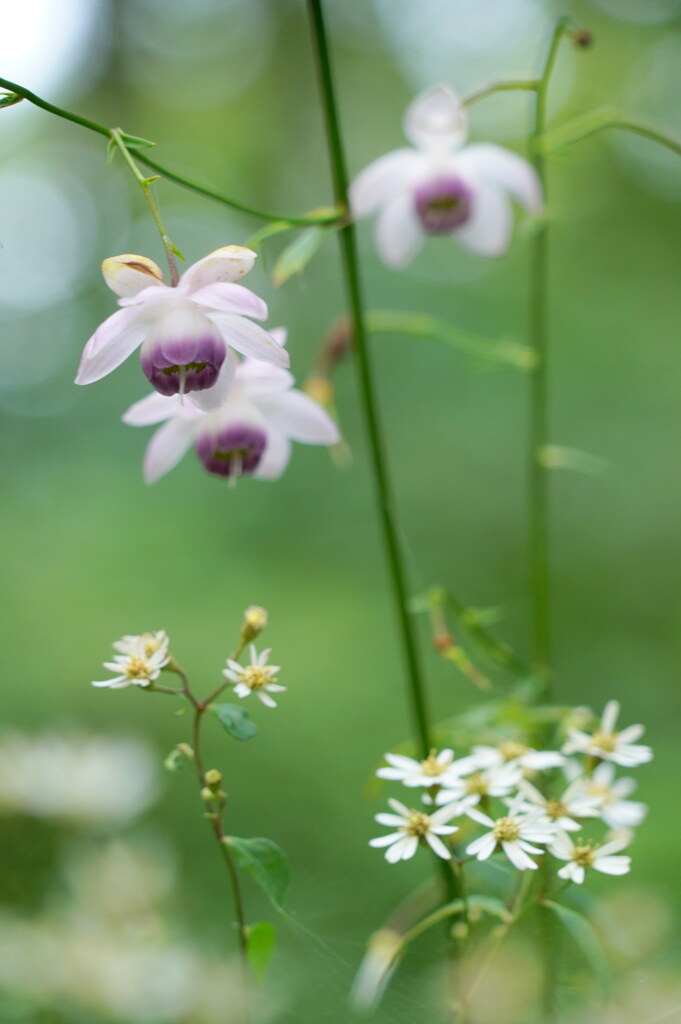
(331, 217)
(599, 120)
(521, 85)
(347, 238)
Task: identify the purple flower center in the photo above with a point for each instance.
(233, 451)
(180, 364)
(443, 204)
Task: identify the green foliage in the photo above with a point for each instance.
(235, 720)
(298, 253)
(265, 862)
(585, 936)
(262, 939)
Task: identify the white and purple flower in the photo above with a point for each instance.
(250, 433)
(186, 333)
(441, 187)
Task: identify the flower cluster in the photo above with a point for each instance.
(527, 801)
(240, 414)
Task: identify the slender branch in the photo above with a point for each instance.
(599, 120)
(415, 682)
(332, 217)
(520, 85)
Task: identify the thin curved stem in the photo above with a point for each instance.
(600, 120)
(331, 217)
(512, 85)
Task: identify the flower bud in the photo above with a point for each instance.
(207, 795)
(582, 38)
(460, 931)
(213, 778)
(255, 620)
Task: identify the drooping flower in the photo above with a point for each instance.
(582, 855)
(607, 744)
(186, 333)
(250, 433)
(411, 772)
(562, 811)
(441, 187)
(515, 833)
(414, 827)
(610, 795)
(139, 662)
(258, 677)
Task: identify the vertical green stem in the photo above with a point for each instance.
(348, 245)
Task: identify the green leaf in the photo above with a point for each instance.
(178, 253)
(235, 720)
(275, 227)
(585, 936)
(420, 325)
(8, 99)
(554, 456)
(265, 862)
(262, 938)
(579, 128)
(135, 142)
(298, 254)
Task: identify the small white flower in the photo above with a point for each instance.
(610, 796)
(410, 772)
(609, 745)
(514, 833)
(469, 790)
(188, 332)
(513, 752)
(582, 855)
(249, 433)
(440, 188)
(413, 827)
(139, 661)
(561, 811)
(258, 677)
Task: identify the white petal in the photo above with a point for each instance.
(436, 120)
(505, 170)
(630, 734)
(393, 774)
(112, 343)
(213, 398)
(269, 702)
(129, 274)
(399, 807)
(395, 851)
(609, 718)
(561, 846)
(275, 688)
(437, 846)
(298, 417)
(613, 847)
(386, 840)
(445, 813)
(249, 339)
(391, 820)
(487, 232)
(478, 816)
(242, 690)
(518, 857)
(154, 408)
(612, 865)
(381, 179)
(275, 458)
(231, 298)
(409, 847)
(398, 233)
(483, 847)
(229, 263)
(540, 760)
(167, 447)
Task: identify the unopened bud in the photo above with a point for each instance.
(207, 795)
(582, 38)
(185, 749)
(460, 931)
(255, 620)
(443, 642)
(213, 778)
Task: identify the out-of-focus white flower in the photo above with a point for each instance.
(249, 433)
(258, 677)
(413, 827)
(582, 855)
(562, 811)
(469, 790)
(139, 662)
(510, 752)
(86, 779)
(609, 794)
(376, 969)
(514, 833)
(187, 332)
(609, 745)
(440, 188)
(411, 772)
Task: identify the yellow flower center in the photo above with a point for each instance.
(476, 784)
(431, 766)
(605, 741)
(151, 644)
(604, 792)
(555, 809)
(584, 855)
(510, 749)
(137, 668)
(506, 830)
(257, 676)
(417, 824)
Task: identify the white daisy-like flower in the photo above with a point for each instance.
(414, 827)
(411, 772)
(561, 811)
(187, 333)
(512, 752)
(250, 433)
(258, 677)
(610, 795)
(441, 187)
(582, 855)
(514, 833)
(469, 790)
(609, 745)
(139, 662)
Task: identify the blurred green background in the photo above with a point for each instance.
(89, 552)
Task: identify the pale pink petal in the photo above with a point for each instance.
(298, 417)
(505, 170)
(112, 343)
(231, 298)
(436, 120)
(398, 232)
(229, 263)
(275, 458)
(154, 408)
(381, 179)
(249, 339)
(487, 232)
(129, 274)
(167, 447)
